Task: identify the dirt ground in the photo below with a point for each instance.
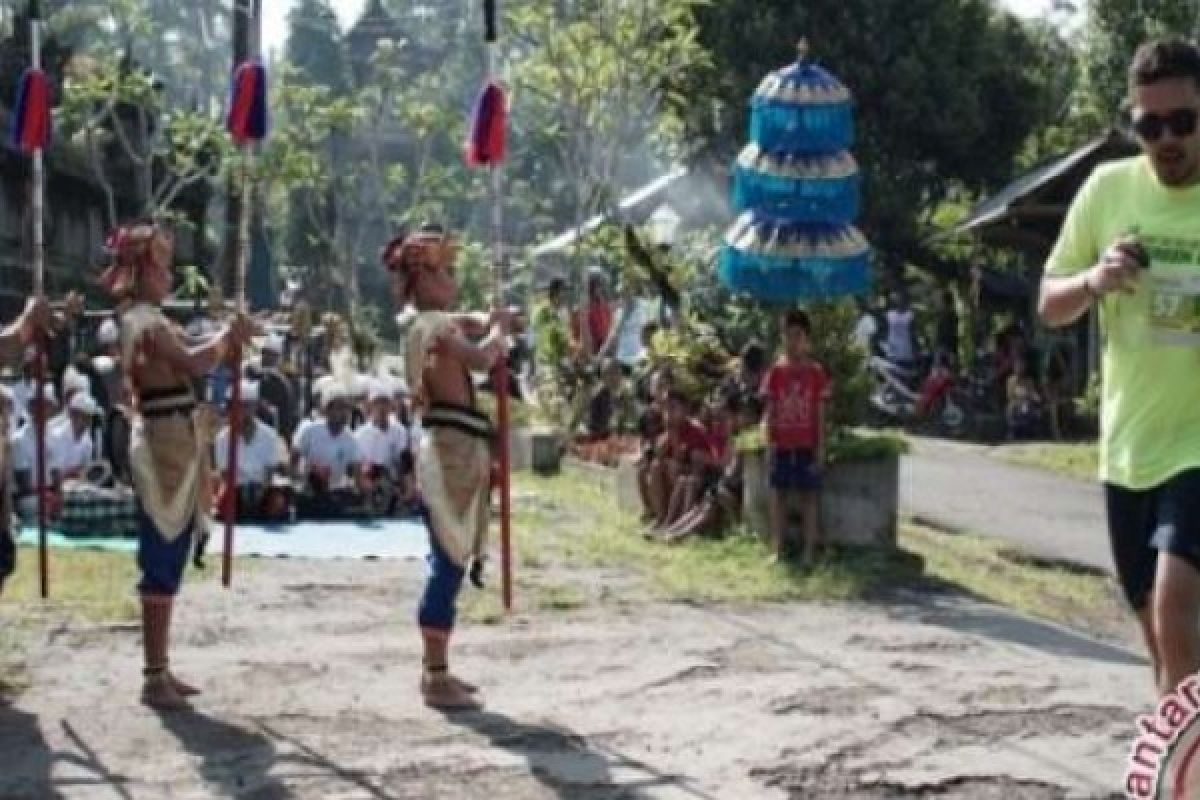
(310, 669)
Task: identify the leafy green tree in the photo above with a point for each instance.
(316, 60)
(947, 92)
(1114, 30)
(590, 95)
(117, 112)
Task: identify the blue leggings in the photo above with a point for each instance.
(161, 562)
(436, 611)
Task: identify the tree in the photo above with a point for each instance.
(947, 93)
(121, 115)
(590, 87)
(1114, 30)
(316, 59)
(314, 45)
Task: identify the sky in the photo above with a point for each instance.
(275, 16)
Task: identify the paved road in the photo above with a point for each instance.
(961, 486)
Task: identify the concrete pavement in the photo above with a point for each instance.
(963, 487)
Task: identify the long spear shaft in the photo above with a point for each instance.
(235, 395)
(39, 291)
(500, 379)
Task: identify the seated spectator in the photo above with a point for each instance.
(721, 505)
(262, 492)
(24, 455)
(326, 454)
(1023, 408)
(680, 454)
(278, 394)
(386, 459)
(70, 448)
(706, 464)
(610, 416)
(73, 382)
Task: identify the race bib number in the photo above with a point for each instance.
(1175, 309)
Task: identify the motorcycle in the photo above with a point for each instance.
(903, 395)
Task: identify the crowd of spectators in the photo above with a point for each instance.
(997, 367)
(687, 437)
(311, 444)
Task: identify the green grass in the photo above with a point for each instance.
(92, 585)
(1074, 459)
(576, 523)
(990, 569)
(583, 527)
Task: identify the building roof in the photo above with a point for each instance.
(1026, 214)
(641, 199)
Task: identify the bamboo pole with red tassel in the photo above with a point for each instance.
(30, 134)
(247, 125)
(486, 148)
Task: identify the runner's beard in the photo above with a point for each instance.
(1173, 166)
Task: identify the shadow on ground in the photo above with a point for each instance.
(570, 765)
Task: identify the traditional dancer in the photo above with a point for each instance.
(34, 321)
(165, 456)
(454, 460)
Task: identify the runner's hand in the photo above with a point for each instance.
(476, 572)
(1119, 268)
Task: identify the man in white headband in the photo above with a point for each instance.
(327, 455)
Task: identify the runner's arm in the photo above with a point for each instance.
(1064, 299)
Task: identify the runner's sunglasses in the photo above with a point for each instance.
(1181, 123)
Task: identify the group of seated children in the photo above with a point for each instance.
(690, 473)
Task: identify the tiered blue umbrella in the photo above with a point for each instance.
(797, 186)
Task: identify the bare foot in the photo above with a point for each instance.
(466, 686)
(160, 694)
(184, 688)
(446, 695)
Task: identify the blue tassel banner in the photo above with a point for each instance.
(779, 279)
(798, 199)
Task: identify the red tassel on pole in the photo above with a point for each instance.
(247, 117)
(485, 147)
(486, 144)
(31, 114)
(247, 124)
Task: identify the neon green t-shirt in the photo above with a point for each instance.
(1150, 406)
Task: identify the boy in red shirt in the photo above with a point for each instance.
(795, 390)
(679, 454)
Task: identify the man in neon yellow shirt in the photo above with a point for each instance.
(1131, 245)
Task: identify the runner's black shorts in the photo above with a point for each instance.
(1144, 522)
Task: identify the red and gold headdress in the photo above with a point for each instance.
(135, 249)
(428, 246)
